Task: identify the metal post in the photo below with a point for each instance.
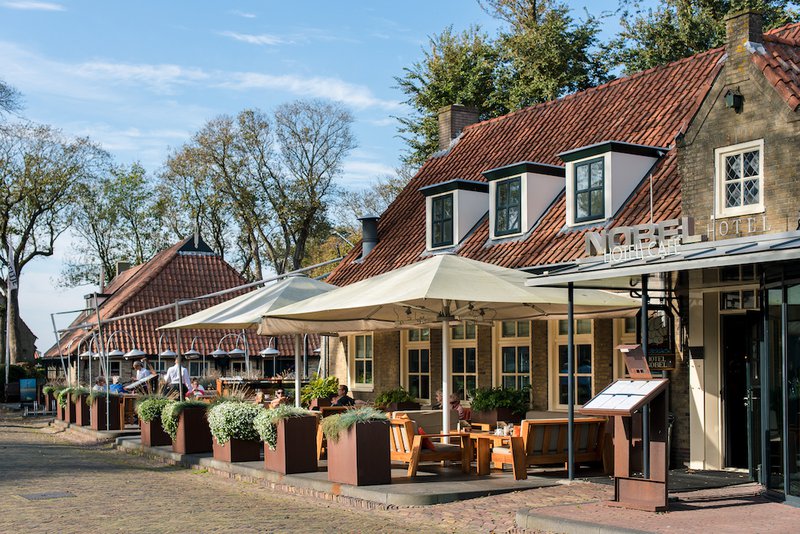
(246, 352)
(570, 381)
(646, 408)
(8, 314)
(60, 353)
(100, 346)
(305, 355)
(445, 374)
(181, 392)
(785, 389)
(297, 370)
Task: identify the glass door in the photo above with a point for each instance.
(791, 368)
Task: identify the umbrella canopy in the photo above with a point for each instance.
(245, 311)
(421, 293)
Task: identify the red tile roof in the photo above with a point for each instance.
(179, 272)
(781, 65)
(648, 108)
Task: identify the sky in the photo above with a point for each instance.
(140, 77)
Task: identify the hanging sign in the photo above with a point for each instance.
(642, 241)
(661, 338)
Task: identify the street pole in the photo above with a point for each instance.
(570, 381)
(181, 394)
(101, 347)
(10, 286)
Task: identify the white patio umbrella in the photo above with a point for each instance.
(440, 289)
(245, 311)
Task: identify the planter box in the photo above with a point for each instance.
(48, 401)
(296, 448)
(69, 410)
(402, 406)
(193, 434)
(153, 434)
(316, 404)
(237, 450)
(493, 416)
(361, 455)
(59, 412)
(81, 411)
(98, 413)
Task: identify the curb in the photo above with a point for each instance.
(531, 520)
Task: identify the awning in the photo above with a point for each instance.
(608, 272)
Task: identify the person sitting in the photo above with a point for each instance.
(115, 386)
(342, 399)
(280, 398)
(439, 397)
(455, 404)
(196, 390)
(99, 384)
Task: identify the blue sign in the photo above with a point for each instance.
(27, 389)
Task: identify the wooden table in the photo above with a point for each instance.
(484, 443)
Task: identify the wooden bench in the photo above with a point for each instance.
(405, 445)
(545, 442)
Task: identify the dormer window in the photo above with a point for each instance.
(508, 207)
(452, 209)
(442, 220)
(590, 201)
(601, 177)
(519, 194)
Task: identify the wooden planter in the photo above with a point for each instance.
(193, 434)
(295, 450)
(48, 401)
(69, 410)
(98, 413)
(402, 406)
(493, 416)
(59, 411)
(316, 404)
(153, 434)
(237, 450)
(360, 457)
(81, 411)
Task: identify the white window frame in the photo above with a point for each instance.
(466, 343)
(556, 340)
(720, 211)
(516, 341)
(571, 183)
(406, 346)
(453, 220)
(351, 362)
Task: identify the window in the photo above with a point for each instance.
(362, 360)
(114, 368)
(442, 221)
(463, 331)
(465, 370)
(740, 179)
(508, 207)
(590, 190)
(238, 368)
(200, 369)
(514, 353)
(417, 353)
(583, 364)
(582, 326)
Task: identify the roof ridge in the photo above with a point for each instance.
(783, 28)
(781, 40)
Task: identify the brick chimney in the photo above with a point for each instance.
(744, 36)
(453, 119)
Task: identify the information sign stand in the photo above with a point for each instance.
(640, 417)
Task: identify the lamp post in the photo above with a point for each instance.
(236, 350)
(193, 353)
(117, 353)
(166, 353)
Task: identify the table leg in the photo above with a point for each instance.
(518, 456)
(484, 446)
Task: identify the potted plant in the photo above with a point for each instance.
(395, 400)
(97, 409)
(61, 401)
(235, 436)
(490, 405)
(318, 392)
(358, 447)
(78, 398)
(67, 407)
(185, 422)
(148, 409)
(290, 436)
(49, 391)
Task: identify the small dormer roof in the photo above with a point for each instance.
(521, 167)
(613, 146)
(452, 185)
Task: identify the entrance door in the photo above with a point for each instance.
(740, 389)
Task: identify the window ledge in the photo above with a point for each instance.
(367, 388)
(739, 212)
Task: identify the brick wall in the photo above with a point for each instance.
(540, 382)
(603, 330)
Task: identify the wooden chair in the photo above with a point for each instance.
(545, 442)
(405, 445)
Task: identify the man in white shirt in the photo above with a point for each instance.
(174, 376)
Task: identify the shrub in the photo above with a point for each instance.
(98, 394)
(172, 411)
(77, 392)
(266, 422)
(393, 395)
(61, 396)
(319, 388)
(335, 424)
(149, 407)
(233, 420)
(49, 389)
(487, 399)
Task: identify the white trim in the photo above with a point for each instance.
(429, 220)
(554, 341)
(719, 178)
(351, 363)
(570, 195)
(523, 208)
(405, 346)
(497, 353)
(465, 344)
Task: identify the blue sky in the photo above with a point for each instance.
(141, 77)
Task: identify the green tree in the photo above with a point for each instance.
(675, 29)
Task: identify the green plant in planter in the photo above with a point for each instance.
(319, 388)
(98, 395)
(171, 412)
(233, 420)
(49, 389)
(488, 399)
(266, 422)
(61, 396)
(393, 395)
(336, 424)
(149, 407)
(78, 391)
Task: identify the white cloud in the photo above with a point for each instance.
(261, 39)
(243, 14)
(34, 6)
(161, 78)
(363, 172)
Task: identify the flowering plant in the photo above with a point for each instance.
(266, 423)
(149, 407)
(233, 420)
(172, 411)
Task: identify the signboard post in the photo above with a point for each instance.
(27, 390)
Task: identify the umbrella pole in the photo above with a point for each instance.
(570, 382)
(445, 374)
(297, 370)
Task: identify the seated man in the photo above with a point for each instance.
(99, 384)
(115, 386)
(342, 399)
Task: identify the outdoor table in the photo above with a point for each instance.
(484, 443)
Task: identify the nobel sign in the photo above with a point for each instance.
(643, 241)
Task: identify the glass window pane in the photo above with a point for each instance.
(596, 173)
(562, 327)
(732, 194)
(425, 357)
(523, 356)
(413, 361)
(509, 382)
(413, 335)
(583, 355)
(597, 202)
(458, 360)
(583, 389)
(583, 326)
(582, 205)
(447, 207)
(413, 386)
(508, 329)
(509, 357)
(359, 347)
(458, 385)
(471, 364)
(750, 190)
(457, 331)
(368, 372)
(447, 233)
(581, 177)
(733, 167)
(470, 331)
(368, 345)
(514, 223)
(562, 390)
(750, 163)
(425, 387)
(425, 334)
(514, 192)
(562, 359)
(523, 328)
(524, 382)
(471, 385)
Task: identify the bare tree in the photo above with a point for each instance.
(10, 99)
